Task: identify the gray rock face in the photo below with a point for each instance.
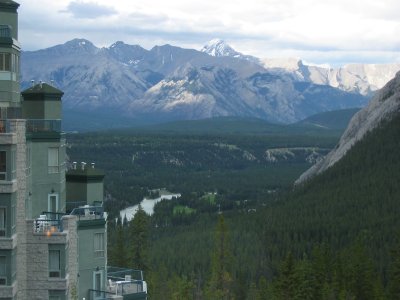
(383, 106)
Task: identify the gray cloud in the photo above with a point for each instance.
(89, 10)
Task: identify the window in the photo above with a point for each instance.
(13, 265)
(53, 203)
(54, 263)
(13, 162)
(13, 216)
(3, 165)
(97, 284)
(53, 161)
(5, 31)
(99, 244)
(2, 221)
(5, 61)
(3, 270)
(56, 295)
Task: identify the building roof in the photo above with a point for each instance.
(42, 88)
(89, 174)
(8, 4)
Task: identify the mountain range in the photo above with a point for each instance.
(166, 83)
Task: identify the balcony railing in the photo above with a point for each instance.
(88, 212)
(123, 282)
(47, 226)
(46, 126)
(48, 223)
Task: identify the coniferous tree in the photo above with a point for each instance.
(220, 284)
(394, 273)
(286, 285)
(119, 252)
(139, 234)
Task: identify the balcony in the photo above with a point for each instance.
(43, 129)
(125, 283)
(48, 223)
(89, 216)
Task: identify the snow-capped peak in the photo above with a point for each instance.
(117, 44)
(218, 47)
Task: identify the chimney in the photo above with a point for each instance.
(33, 82)
(83, 165)
(74, 165)
(92, 165)
(41, 84)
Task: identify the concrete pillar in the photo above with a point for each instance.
(70, 226)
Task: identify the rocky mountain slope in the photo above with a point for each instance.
(172, 83)
(384, 105)
(360, 78)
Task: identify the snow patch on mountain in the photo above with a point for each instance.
(218, 47)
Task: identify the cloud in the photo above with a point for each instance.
(319, 31)
(89, 10)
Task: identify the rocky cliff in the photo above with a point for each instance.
(383, 106)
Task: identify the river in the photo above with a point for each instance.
(147, 205)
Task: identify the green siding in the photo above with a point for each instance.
(43, 183)
(88, 262)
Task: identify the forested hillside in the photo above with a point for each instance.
(336, 237)
(236, 166)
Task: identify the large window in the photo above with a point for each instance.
(3, 165)
(99, 244)
(3, 221)
(54, 263)
(5, 61)
(53, 165)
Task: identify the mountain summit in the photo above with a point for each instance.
(218, 47)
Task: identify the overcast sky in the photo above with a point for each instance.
(334, 32)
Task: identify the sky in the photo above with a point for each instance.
(333, 32)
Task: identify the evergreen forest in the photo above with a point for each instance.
(241, 230)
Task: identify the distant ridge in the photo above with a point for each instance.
(337, 119)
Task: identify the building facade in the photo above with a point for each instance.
(53, 230)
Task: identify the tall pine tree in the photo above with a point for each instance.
(139, 234)
(220, 284)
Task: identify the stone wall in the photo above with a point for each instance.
(18, 127)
